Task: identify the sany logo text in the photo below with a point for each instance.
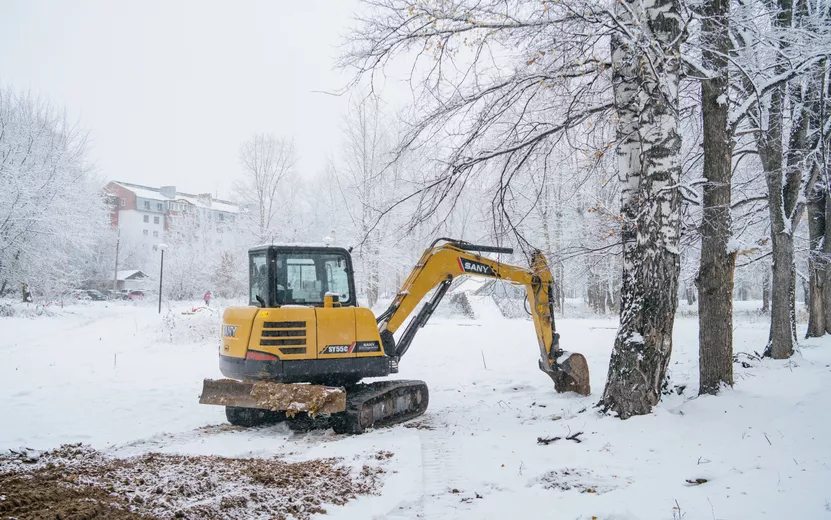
(470, 266)
(229, 331)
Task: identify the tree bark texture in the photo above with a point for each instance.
(819, 212)
(826, 251)
(718, 261)
(766, 289)
(645, 75)
(817, 268)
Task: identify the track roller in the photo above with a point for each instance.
(376, 405)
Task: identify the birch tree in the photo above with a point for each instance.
(646, 69)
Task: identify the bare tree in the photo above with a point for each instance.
(816, 148)
(718, 258)
(365, 179)
(266, 161)
(789, 169)
(819, 228)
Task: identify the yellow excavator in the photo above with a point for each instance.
(299, 350)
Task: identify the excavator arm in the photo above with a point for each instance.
(437, 268)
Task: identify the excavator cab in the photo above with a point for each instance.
(302, 324)
(303, 343)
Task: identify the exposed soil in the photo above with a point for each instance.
(75, 482)
(581, 480)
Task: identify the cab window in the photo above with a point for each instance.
(305, 278)
(258, 275)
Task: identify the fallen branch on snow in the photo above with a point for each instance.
(548, 440)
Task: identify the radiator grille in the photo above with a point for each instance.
(275, 335)
(284, 333)
(278, 342)
(284, 324)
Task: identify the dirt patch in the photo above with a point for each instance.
(581, 480)
(419, 426)
(75, 482)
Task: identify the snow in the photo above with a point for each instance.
(127, 274)
(146, 192)
(470, 284)
(294, 244)
(124, 379)
(485, 308)
(635, 337)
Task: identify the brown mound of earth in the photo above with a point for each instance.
(75, 482)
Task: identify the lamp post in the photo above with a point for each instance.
(162, 247)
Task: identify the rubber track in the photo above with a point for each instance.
(359, 397)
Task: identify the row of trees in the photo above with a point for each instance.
(51, 212)
(716, 112)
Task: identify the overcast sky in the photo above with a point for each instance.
(169, 89)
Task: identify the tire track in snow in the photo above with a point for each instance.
(441, 467)
(441, 473)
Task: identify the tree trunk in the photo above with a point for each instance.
(717, 263)
(782, 329)
(825, 274)
(552, 246)
(646, 99)
(781, 340)
(766, 290)
(372, 283)
(596, 294)
(373, 265)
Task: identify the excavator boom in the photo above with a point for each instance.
(441, 263)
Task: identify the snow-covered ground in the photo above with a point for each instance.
(122, 378)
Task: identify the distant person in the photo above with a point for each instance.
(208, 297)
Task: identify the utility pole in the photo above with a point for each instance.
(115, 274)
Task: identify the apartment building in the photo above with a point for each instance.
(145, 215)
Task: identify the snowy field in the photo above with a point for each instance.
(125, 380)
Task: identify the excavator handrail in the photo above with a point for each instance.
(467, 246)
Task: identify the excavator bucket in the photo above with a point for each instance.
(571, 373)
(264, 395)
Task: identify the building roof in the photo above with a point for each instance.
(148, 192)
(130, 274)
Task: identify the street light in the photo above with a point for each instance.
(162, 247)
